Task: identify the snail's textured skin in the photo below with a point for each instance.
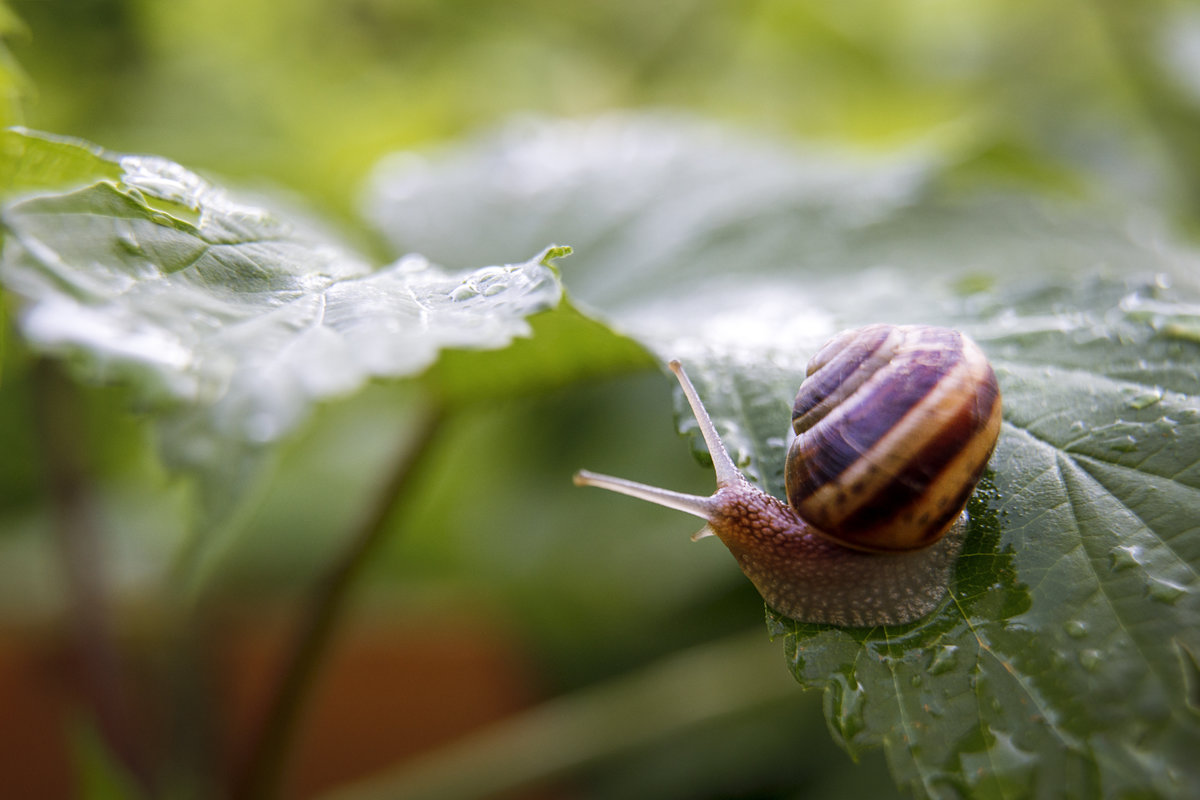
(894, 426)
(808, 577)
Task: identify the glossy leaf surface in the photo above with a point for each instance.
(232, 321)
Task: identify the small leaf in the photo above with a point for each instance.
(1054, 667)
(33, 162)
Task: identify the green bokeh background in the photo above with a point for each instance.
(302, 99)
(309, 96)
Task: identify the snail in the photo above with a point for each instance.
(894, 426)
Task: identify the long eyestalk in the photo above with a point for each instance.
(688, 503)
(727, 473)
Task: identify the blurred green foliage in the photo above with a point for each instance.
(308, 96)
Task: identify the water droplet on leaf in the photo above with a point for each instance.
(1125, 556)
(462, 292)
(1126, 444)
(1146, 399)
(944, 660)
(1076, 629)
(1165, 591)
(848, 701)
(1187, 331)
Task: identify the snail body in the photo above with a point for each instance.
(894, 426)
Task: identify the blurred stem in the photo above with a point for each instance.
(267, 758)
(208, 543)
(711, 681)
(58, 416)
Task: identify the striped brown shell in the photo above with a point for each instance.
(894, 426)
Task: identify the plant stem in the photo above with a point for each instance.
(94, 633)
(264, 770)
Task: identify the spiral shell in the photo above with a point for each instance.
(894, 426)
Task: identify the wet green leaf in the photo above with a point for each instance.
(231, 321)
(38, 162)
(1054, 668)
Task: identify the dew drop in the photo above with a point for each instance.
(128, 242)
(1125, 444)
(1165, 591)
(944, 660)
(1090, 659)
(1076, 629)
(1191, 674)
(462, 292)
(1146, 399)
(849, 702)
(916, 680)
(1125, 556)
(1185, 331)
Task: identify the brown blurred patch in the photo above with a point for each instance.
(388, 691)
(34, 708)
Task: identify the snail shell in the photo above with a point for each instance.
(894, 426)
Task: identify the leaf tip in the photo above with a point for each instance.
(553, 252)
